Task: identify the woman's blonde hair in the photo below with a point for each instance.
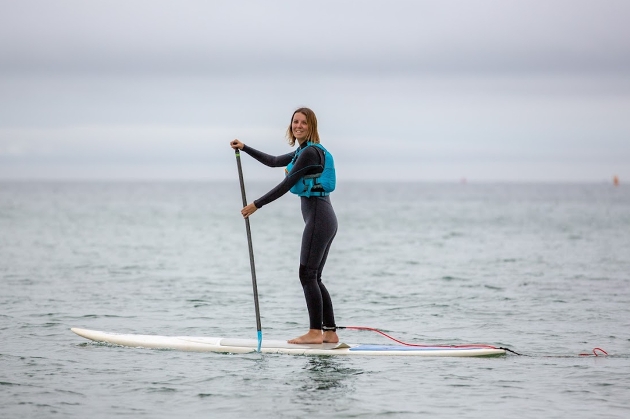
(311, 121)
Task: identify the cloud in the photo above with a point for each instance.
(153, 144)
(415, 89)
(336, 37)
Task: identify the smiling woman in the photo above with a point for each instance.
(310, 176)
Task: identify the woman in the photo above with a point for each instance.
(310, 175)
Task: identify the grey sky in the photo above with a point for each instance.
(430, 90)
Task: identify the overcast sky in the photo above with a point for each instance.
(535, 90)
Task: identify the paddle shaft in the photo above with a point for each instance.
(251, 248)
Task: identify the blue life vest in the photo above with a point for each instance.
(320, 184)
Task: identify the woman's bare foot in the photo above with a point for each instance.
(313, 336)
(330, 336)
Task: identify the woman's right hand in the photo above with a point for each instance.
(249, 210)
(237, 144)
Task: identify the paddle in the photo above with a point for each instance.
(251, 249)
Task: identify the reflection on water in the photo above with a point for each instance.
(328, 374)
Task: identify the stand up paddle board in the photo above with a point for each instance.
(242, 346)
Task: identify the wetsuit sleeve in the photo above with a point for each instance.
(308, 163)
(267, 159)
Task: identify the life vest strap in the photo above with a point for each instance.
(315, 193)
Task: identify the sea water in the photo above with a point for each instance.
(543, 269)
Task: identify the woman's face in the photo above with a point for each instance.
(299, 126)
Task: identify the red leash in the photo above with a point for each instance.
(371, 329)
(595, 352)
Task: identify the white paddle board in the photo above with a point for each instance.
(241, 346)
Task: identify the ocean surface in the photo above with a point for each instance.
(543, 269)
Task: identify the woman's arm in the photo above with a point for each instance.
(267, 159)
(264, 158)
(309, 162)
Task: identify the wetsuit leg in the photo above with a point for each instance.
(319, 231)
(328, 314)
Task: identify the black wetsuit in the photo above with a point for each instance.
(319, 230)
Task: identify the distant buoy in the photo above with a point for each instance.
(616, 180)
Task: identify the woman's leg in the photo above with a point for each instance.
(328, 314)
(319, 230)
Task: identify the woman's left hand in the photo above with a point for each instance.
(248, 210)
(236, 144)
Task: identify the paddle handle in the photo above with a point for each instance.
(251, 248)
